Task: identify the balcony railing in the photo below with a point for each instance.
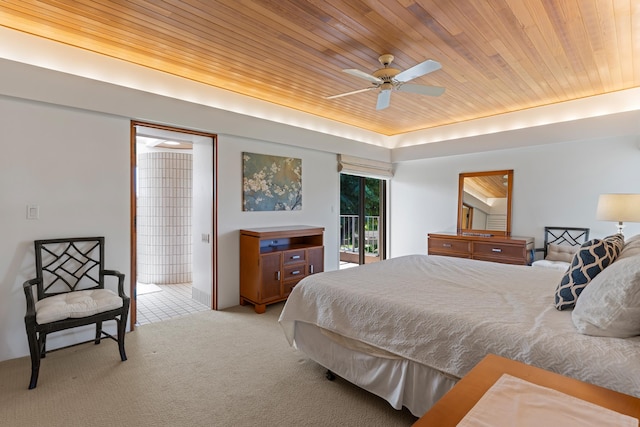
(349, 239)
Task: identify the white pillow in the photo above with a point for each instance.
(610, 305)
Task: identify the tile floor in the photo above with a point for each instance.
(171, 301)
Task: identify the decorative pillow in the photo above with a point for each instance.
(631, 247)
(610, 305)
(592, 257)
(561, 252)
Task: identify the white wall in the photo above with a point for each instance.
(203, 206)
(320, 205)
(556, 185)
(75, 166)
(47, 117)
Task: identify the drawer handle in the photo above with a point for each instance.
(496, 250)
(295, 257)
(295, 272)
(311, 269)
(277, 275)
(446, 245)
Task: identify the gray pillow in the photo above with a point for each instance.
(631, 247)
(610, 305)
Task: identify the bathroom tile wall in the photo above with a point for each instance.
(164, 217)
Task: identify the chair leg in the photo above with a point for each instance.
(122, 326)
(98, 332)
(34, 349)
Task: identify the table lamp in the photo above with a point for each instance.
(619, 207)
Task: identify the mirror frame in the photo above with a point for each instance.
(509, 174)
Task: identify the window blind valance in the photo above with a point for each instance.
(364, 167)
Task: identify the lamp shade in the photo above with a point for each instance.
(619, 207)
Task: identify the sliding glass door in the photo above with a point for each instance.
(362, 220)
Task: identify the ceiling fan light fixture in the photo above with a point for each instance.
(386, 86)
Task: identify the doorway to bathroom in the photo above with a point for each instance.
(173, 223)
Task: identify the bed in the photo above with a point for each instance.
(408, 328)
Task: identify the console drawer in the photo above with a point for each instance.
(294, 272)
(293, 257)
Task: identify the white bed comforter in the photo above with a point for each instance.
(448, 313)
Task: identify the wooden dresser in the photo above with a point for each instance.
(274, 259)
(504, 249)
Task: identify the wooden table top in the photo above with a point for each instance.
(454, 405)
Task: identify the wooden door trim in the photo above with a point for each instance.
(133, 213)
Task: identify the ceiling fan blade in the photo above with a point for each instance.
(384, 97)
(349, 93)
(362, 75)
(421, 89)
(421, 69)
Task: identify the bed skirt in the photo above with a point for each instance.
(399, 381)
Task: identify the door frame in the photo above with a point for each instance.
(382, 225)
(133, 214)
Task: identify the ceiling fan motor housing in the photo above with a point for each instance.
(386, 74)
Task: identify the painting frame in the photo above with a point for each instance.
(271, 183)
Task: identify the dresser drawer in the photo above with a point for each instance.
(293, 257)
(500, 250)
(505, 249)
(294, 272)
(437, 245)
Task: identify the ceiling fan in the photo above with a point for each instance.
(388, 79)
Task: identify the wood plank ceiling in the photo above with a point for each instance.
(497, 56)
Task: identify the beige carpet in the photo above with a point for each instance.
(225, 368)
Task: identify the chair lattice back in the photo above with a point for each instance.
(571, 236)
(65, 265)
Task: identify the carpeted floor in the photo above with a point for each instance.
(224, 368)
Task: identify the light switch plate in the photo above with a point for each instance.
(33, 212)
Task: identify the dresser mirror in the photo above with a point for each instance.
(484, 203)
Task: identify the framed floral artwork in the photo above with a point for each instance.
(271, 183)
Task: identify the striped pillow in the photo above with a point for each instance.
(592, 257)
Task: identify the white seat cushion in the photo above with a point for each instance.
(558, 265)
(561, 252)
(76, 304)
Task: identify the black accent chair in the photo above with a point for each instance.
(570, 236)
(566, 241)
(70, 280)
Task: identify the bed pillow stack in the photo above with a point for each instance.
(610, 305)
(591, 259)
